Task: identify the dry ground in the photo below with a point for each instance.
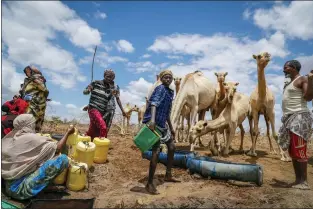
(120, 182)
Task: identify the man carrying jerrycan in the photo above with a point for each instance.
(157, 115)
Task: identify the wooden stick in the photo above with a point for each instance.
(93, 60)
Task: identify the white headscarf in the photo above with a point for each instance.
(23, 151)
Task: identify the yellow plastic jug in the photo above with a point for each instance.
(71, 140)
(77, 176)
(81, 138)
(60, 179)
(85, 152)
(102, 148)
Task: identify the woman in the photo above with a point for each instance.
(12, 108)
(30, 161)
(34, 91)
(101, 107)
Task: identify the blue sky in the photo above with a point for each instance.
(138, 39)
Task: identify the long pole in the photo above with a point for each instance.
(93, 60)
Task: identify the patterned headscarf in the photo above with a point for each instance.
(294, 63)
(109, 72)
(165, 72)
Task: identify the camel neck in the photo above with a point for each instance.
(222, 91)
(261, 83)
(177, 89)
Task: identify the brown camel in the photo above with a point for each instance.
(262, 102)
(128, 109)
(235, 112)
(196, 92)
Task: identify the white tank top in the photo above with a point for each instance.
(293, 100)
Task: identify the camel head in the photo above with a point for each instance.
(231, 88)
(197, 130)
(221, 76)
(135, 108)
(262, 59)
(177, 81)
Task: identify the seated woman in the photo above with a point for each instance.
(30, 161)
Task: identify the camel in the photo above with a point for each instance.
(235, 112)
(128, 109)
(196, 92)
(262, 102)
(184, 114)
(219, 106)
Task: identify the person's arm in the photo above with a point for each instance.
(116, 94)
(120, 105)
(62, 142)
(88, 89)
(307, 87)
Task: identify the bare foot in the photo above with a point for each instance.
(151, 189)
(171, 179)
(302, 186)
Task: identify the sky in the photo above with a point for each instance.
(138, 39)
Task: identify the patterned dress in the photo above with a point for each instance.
(30, 185)
(36, 92)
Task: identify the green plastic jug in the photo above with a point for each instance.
(146, 138)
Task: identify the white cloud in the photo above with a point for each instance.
(306, 64)
(295, 20)
(147, 66)
(174, 57)
(100, 15)
(96, 4)
(103, 59)
(145, 56)
(33, 45)
(55, 103)
(246, 14)
(135, 92)
(125, 46)
(70, 106)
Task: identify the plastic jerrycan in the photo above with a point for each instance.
(61, 178)
(85, 152)
(146, 138)
(71, 143)
(102, 149)
(77, 176)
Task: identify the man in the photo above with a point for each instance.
(156, 116)
(101, 107)
(297, 120)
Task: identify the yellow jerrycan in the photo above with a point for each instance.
(61, 178)
(79, 138)
(85, 152)
(71, 140)
(77, 176)
(102, 149)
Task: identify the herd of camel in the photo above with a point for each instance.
(196, 94)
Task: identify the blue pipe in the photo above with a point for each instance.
(227, 170)
(180, 158)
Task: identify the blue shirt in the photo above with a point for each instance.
(162, 98)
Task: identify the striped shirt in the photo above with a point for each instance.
(162, 98)
(102, 97)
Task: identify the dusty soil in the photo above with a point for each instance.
(120, 182)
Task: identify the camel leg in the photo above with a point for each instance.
(193, 115)
(188, 128)
(272, 150)
(201, 117)
(255, 118)
(242, 134)
(215, 143)
(230, 136)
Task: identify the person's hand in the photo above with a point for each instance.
(151, 125)
(71, 130)
(85, 108)
(124, 114)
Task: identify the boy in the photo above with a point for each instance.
(157, 115)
